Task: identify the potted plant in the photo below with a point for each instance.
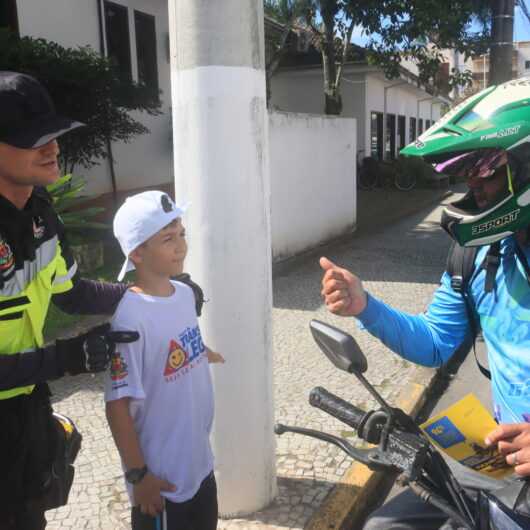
(83, 231)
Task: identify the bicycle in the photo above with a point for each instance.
(372, 173)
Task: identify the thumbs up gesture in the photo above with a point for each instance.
(342, 291)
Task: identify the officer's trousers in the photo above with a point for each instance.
(27, 447)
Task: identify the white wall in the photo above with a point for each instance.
(298, 91)
(524, 55)
(312, 167)
(362, 92)
(401, 100)
(147, 160)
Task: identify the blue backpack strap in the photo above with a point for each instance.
(461, 267)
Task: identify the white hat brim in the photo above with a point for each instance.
(127, 266)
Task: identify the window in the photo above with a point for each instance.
(376, 135)
(146, 49)
(527, 65)
(390, 144)
(402, 131)
(8, 15)
(412, 129)
(117, 36)
(420, 126)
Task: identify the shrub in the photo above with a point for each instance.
(84, 86)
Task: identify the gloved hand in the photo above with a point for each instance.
(90, 352)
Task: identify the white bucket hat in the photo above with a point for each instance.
(140, 217)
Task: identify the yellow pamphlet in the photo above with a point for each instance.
(459, 431)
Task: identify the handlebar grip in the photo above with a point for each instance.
(335, 406)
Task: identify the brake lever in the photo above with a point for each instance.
(369, 457)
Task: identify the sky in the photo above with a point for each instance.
(521, 29)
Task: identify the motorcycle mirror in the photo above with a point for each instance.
(339, 347)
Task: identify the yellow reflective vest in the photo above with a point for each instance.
(35, 263)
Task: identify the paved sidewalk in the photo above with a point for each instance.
(401, 265)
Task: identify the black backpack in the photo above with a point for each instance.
(461, 268)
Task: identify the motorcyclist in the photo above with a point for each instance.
(487, 140)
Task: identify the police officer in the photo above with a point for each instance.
(36, 267)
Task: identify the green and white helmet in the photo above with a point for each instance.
(487, 131)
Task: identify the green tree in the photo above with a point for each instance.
(84, 86)
(396, 29)
(285, 12)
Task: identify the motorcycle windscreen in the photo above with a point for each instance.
(502, 518)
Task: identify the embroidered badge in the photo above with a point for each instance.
(7, 261)
(118, 367)
(38, 227)
(166, 204)
(176, 358)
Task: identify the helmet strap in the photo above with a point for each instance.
(510, 179)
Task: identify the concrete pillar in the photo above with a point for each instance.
(220, 129)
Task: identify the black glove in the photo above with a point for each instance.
(90, 352)
(197, 291)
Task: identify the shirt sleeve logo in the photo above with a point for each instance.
(7, 261)
(176, 358)
(118, 367)
(38, 227)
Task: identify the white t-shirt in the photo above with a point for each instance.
(167, 377)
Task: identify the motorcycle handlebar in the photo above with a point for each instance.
(335, 406)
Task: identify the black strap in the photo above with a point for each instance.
(473, 324)
(490, 265)
(197, 291)
(461, 268)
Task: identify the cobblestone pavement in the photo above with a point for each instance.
(401, 265)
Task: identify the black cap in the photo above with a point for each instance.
(27, 114)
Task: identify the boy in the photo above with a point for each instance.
(158, 394)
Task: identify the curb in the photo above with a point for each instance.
(345, 506)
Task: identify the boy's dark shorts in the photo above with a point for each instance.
(199, 513)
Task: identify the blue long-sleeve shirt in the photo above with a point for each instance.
(431, 338)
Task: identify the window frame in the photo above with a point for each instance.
(124, 9)
(154, 84)
(390, 137)
(401, 131)
(12, 16)
(377, 118)
(413, 129)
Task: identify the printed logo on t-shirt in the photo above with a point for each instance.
(118, 367)
(184, 353)
(176, 359)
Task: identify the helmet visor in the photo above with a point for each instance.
(481, 163)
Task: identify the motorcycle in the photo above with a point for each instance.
(402, 447)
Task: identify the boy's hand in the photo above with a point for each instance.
(147, 494)
(214, 357)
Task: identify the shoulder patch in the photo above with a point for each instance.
(7, 260)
